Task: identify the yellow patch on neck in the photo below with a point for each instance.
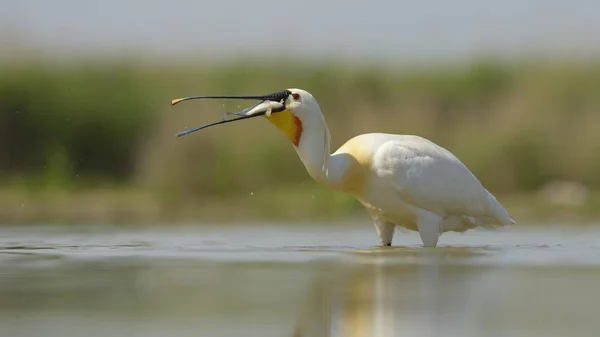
(359, 161)
(288, 123)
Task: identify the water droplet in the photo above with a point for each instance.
(251, 193)
(22, 205)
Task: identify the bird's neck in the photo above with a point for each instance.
(314, 151)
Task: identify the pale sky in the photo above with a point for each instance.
(397, 29)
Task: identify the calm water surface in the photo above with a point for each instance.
(296, 280)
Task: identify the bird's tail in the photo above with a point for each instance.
(499, 212)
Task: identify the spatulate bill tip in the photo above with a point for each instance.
(177, 100)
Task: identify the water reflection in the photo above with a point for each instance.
(170, 287)
(379, 297)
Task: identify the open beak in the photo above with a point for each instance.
(271, 103)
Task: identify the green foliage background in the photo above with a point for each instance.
(94, 139)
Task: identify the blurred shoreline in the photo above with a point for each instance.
(140, 208)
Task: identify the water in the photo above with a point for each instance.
(296, 280)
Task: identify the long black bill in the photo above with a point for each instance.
(188, 131)
(275, 97)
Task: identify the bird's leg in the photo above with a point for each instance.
(429, 228)
(385, 231)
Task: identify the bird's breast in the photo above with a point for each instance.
(356, 168)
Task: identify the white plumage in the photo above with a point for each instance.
(418, 185)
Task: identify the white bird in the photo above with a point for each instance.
(402, 180)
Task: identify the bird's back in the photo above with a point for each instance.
(428, 176)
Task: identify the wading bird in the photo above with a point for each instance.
(402, 180)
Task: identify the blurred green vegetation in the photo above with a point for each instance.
(105, 129)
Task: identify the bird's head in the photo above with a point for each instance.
(290, 110)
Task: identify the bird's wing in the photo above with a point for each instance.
(430, 177)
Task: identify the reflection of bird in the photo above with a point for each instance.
(402, 180)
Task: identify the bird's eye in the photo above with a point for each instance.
(296, 96)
